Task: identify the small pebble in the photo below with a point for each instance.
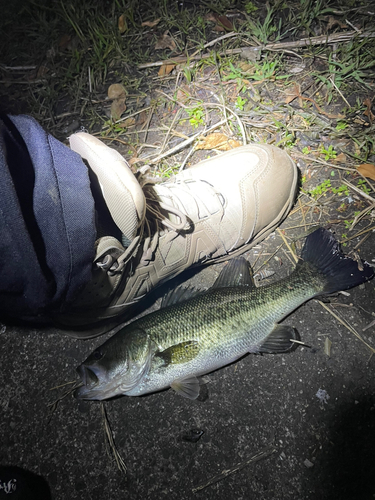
(192, 436)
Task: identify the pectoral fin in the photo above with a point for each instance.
(279, 340)
(187, 387)
(180, 353)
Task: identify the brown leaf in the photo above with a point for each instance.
(340, 158)
(151, 24)
(333, 22)
(165, 69)
(224, 22)
(116, 91)
(368, 170)
(217, 141)
(129, 122)
(65, 42)
(122, 24)
(142, 118)
(118, 106)
(368, 103)
(183, 94)
(294, 94)
(165, 42)
(210, 16)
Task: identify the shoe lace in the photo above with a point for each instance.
(154, 223)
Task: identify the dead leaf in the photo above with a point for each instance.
(210, 17)
(333, 22)
(65, 42)
(165, 69)
(368, 170)
(296, 93)
(122, 24)
(165, 42)
(217, 141)
(116, 91)
(129, 122)
(341, 158)
(368, 103)
(118, 106)
(246, 67)
(183, 94)
(151, 24)
(142, 118)
(224, 22)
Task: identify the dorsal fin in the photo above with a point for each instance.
(177, 295)
(237, 272)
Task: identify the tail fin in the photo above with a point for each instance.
(322, 251)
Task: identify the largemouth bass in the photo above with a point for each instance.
(173, 346)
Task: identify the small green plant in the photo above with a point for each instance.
(266, 71)
(305, 150)
(196, 116)
(363, 186)
(329, 154)
(325, 187)
(341, 126)
(250, 7)
(289, 138)
(238, 75)
(167, 171)
(240, 103)
(263, 32)
(320, 189)
(343, 189)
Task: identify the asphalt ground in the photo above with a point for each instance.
(298, 425)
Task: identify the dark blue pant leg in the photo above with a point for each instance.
(47, 221)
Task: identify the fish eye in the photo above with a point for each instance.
(97, 354)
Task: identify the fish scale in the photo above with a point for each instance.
(238, 324)
(175, 345)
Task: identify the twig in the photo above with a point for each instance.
(259, 455)
(121, 465)
(362, 241)
(322, 162)
(269, 258)
(53, 406)
(358, 217)
(304, 42)
(213, 42)
(17, 68)
(364, 231)
(368, 326)
(359, 191)
(350, 328)
(287, 244)
(339, 91)
(183, 144)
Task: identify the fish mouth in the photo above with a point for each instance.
(90, 384)
(88, 376)
(95, 385)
